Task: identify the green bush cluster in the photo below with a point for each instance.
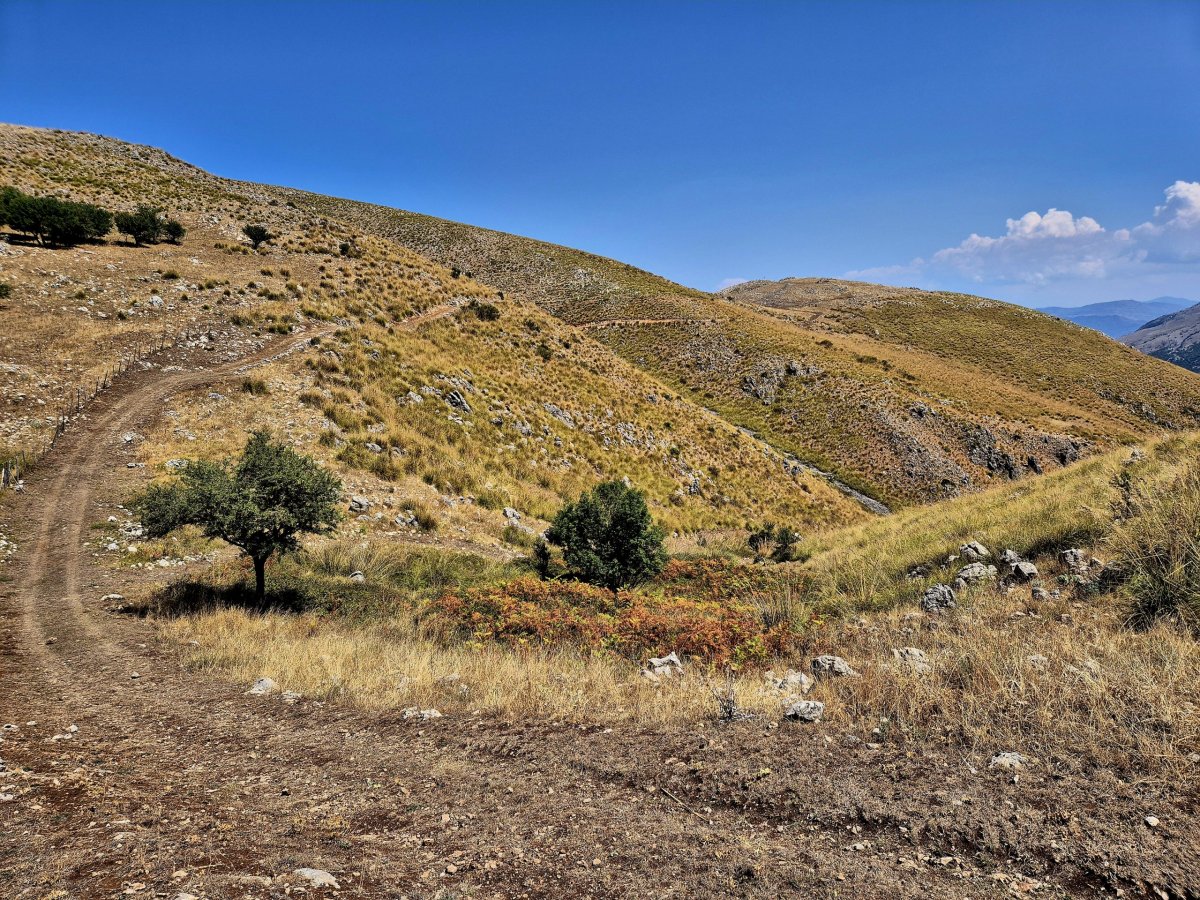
(51, 221)
(146, 225)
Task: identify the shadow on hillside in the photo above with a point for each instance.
(186, 598)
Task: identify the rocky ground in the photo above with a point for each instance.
(124, 774)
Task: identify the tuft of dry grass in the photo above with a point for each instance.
(389, 665)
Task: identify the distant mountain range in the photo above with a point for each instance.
(1117, 318)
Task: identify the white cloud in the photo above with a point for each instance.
(1043, 248)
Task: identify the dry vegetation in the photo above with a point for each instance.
(1065, 680)
(481, 375)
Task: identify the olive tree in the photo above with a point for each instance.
(259, 503)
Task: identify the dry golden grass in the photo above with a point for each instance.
(390, 665)
(1064, 680)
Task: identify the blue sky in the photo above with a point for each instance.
(704, 141)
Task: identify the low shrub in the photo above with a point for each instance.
(630, 624)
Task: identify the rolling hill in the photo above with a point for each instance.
(901, 395)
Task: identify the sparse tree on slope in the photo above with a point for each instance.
(173, 230)
(257, 234)
(608, 538)
(145, 225)
(259, 503)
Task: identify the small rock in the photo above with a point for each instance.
(1037, 661)
(658, 667)
(805, 711)
(937, 598)
(359, 504)
(976, 571)
(318, 878)
(974, 552)
(1152, 821)
(828, 666)
(1039, 594)
(263, 686)
(913, 660)
(1009, 761)
(357, 577)
(792, 681)
(424, 715)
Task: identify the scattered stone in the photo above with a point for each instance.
(357, 577)
(262, 687)
(792, 681)
(318, 878)
(1037, 661)
(659, 667)
(291, 697)
(1074, 560)
(805, 711)
(974, 552)
(458, 401)
(359, 504)
(828, 666)
(423, 715)
(176, 465)
(937, 598)
(1039, 594)
(976, 571)
(1152, 821)
(1009, 761)
(912, 660)
(1024, 570)
(511, 514)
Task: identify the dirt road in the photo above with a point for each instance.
(127, 776)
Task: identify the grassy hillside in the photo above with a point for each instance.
(1174, 337)
(906, 395)
(432, 391)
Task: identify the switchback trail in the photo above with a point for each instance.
(125, 775)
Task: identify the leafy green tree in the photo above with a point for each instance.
(257, 234)
(173, 230)
(145, 225)
(608, 538)
(51, 221)
(7, 196)
(259, 503)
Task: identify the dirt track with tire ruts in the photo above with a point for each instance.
(173, 782)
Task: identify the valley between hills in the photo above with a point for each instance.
(962, 678)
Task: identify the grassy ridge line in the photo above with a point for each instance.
(992, 373)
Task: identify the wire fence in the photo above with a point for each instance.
(15, 465)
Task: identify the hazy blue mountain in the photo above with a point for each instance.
(1117, 318)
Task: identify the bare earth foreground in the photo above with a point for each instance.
(125, 775)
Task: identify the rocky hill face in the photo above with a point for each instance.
(814, 400)
(1174, 337)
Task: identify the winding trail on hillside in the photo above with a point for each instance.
(173, 781)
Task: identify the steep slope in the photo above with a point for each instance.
(439, 399)
(1117, 318)
(904, 395)
(1174, 337)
